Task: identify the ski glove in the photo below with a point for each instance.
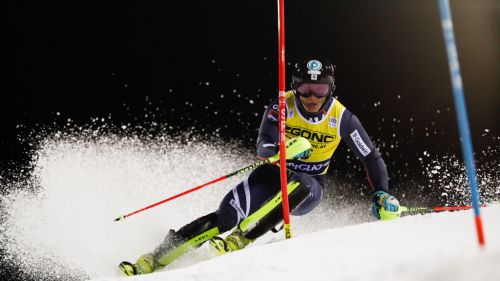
(303, 155)
(385, 206)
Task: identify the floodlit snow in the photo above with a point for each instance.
(59, 226)
(423, 247)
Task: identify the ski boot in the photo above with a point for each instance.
(127, 268)
(148, 262)
(175, 244)
(233, 242)
(143, 265)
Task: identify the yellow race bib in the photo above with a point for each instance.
(322, 132)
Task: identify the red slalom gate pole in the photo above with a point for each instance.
(282, 136)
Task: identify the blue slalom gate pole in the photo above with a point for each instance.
(461, 111)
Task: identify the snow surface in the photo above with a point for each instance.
(423, 247)
(58, 225)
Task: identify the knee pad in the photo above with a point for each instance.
(316, 193)
(271, 213)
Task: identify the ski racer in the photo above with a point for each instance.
(253, 207)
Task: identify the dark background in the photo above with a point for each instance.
(212, 66)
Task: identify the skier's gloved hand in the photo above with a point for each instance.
(385, 206)
(303, 155)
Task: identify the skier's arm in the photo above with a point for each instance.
(267, 141)
(355, 136)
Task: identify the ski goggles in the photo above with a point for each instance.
(318, 90)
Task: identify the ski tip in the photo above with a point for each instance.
(120, 218)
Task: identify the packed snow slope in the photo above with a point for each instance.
(423, 247)
(57, 224)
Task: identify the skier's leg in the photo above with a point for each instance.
(261, 210)
(315, 186)
(271, 213)
(175, 244)
(254, 204)
(261, 221)
(248, 196)
(204, 228)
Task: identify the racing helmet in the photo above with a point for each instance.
(314, 71)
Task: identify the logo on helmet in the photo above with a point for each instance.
(314, 66)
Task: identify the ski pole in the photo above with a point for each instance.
(240, 171)
(294, 146)
(438, 208)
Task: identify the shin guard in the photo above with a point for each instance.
(190, 236)
(271, 213)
